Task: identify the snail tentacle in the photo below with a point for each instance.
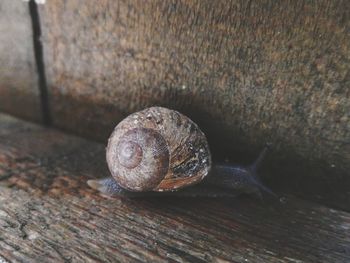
(240, 178)
(254, 167)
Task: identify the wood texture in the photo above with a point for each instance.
(247, 71)
(19, 92)
(48, 214)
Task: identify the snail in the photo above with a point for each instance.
(158, 151)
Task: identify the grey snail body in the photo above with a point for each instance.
(158, 151)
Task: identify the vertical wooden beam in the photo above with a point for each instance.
(19, 93)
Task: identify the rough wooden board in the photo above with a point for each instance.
(48, 214)
(19, 91)
(247, 71)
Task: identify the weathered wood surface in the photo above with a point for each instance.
(247, 71)
(19, 92)
(48, 214)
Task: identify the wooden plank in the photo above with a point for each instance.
(19, 91)
(48, 214)
(247, 72)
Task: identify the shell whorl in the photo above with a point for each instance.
(129, 153)
(157, 149)
(140, 159)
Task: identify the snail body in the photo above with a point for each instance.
(161, 150)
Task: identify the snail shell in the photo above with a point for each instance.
(157, 149)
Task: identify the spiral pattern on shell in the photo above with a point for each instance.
(157, 149)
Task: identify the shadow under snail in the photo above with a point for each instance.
(158, 151)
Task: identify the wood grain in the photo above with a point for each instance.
(48, 214)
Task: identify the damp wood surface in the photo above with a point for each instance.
(48, 214)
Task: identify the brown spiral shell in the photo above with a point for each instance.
(157, 149)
